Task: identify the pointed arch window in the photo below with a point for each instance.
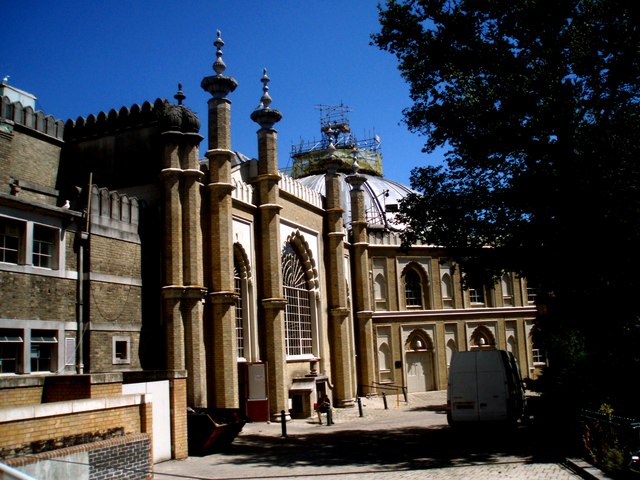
(482, 338)
(298, 319)
(240, 332)
(413, 289)
(447, 291)
(245, 327)
(507, 290)
(379, 292)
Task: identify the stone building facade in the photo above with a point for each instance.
(127, 249)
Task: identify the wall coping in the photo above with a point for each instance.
(34, 412)
(85, 447)
(21, 382)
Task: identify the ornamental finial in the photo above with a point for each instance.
(179, 96)
(266, 100)
(356, 165)
(219, 66)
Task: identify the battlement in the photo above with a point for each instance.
(114, 214)
(161, 113)
(114, 120)
(19, 114)
(289, 185)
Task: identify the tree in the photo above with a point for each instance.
(538, 106)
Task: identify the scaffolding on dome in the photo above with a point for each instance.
(308, 157)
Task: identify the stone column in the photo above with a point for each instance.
(273, 301)
(183, 281)
(172, 259)
(365, 349)
(340, 339)
(220, 321)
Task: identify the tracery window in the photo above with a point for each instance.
(298, 321)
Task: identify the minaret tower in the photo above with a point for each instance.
(361, 283)
(183, 287)
(220, 331)
(340, 331)
(273, 301)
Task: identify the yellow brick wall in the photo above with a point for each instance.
(178, 392)
(14, 435)
(15, 397)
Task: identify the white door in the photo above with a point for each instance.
(161, 415)
(419, 367)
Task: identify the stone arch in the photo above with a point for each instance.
(419, 361)
(418, 340)
(380, 287)
(482, 337)
(451, 348)
(242, 261)
(416, 269)
(301, 290)
(506, 284)
(301, 247)
(512, 345)
(246, 331)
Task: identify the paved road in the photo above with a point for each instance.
(405, 441)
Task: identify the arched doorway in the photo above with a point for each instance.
(419, 368)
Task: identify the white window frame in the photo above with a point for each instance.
(115, 359)
(29, 237)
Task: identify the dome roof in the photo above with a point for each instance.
(382, 197)
(179, 118)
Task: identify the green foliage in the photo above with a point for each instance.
(538, 106)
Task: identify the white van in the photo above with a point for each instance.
(484, 386)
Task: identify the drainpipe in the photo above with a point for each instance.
(81, 238)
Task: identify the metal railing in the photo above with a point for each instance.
(609, 440)
(387, 386)
(8, 473)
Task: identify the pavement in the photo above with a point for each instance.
(391, 440)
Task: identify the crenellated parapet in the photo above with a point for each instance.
(386, 237)
(114, 215)
(28, 117)
(291, 186)
(242, 191)
(161, 112)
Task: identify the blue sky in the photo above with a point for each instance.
(83, 57)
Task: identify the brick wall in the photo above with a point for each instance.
(5, 150)
(113, 302)
(179, 442)
(17, 391)
(102, 351)
(62, 388)
(115, 257)
(34, 161)
(125, 457)
(70, 252)
(35, 429)
(49, 298)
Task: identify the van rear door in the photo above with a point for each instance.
(462, 393)
(492, 386)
